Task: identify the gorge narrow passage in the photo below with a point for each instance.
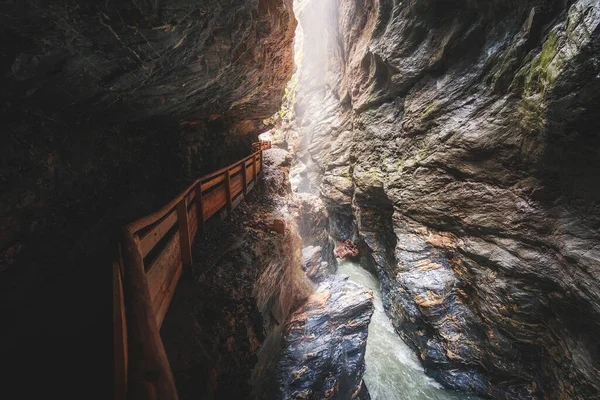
(449, 148)
(393, 371)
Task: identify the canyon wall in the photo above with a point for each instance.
(108, 109)
(459, 141)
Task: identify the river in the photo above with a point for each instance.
(393, 371)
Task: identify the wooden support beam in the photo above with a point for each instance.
(162, 307)
(151, 239)
(229, 191)
(150, 376)
(184, 233)
(199, 208)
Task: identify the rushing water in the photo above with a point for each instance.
(393, 371)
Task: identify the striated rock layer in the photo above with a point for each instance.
(325, 343)
(458, 141)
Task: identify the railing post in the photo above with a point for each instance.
(150, 376)
(244, 177)
(199, 207)
(184, 233)
(228, 188)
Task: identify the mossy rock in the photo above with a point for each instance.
(429, 111)
(546, 67)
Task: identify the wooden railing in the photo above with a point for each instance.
(261, 145)
(152, 254)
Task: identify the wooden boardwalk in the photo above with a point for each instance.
(153, 252)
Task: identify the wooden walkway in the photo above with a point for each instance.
(153, 252)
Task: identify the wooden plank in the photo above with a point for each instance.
(149, 374)
(235, 170)
(214, 201)
(249, 173)
(184, 233)
(199, 210)
(119, 331)
(162, 268)
(228, 190)
(254, 170)
(191, 197)
(193, 221)
(160, 304)
(245, 177)
(150, 239)
(213, 182)
(168, 296)
(237, 185)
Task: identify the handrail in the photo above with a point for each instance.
(143, 222)
(148, 220)
(152, 256)
(261, 144)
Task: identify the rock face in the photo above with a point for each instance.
(325, 342)
(316, 269)
(312, 219)
(108, 109)
(459, 141)
(318, 351)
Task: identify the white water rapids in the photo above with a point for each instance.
(393, 371)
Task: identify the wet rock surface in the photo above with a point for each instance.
(312, 219)
(324, 343)
(316, 269)
(458, 141)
